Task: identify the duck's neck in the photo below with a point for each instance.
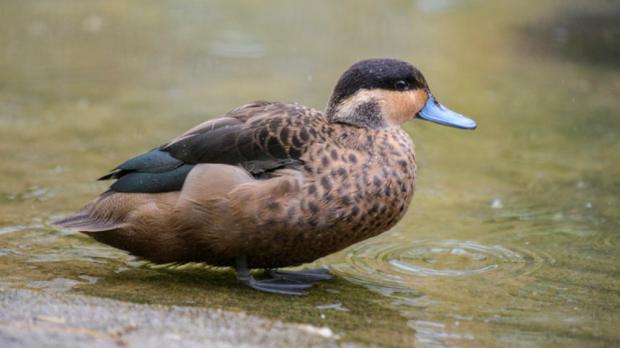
(363, 109)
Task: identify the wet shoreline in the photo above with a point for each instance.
(39, 319)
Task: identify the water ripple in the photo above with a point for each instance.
(396, 265)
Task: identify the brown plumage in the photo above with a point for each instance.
(271, 185)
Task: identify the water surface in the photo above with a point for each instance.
(512, 238)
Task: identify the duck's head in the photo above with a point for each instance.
(382, 93)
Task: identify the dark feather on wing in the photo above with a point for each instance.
(247, 136)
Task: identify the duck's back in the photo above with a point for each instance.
(260, 137)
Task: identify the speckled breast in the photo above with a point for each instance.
(353, 190)
(377, 192)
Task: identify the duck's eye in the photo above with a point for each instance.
(401, 85)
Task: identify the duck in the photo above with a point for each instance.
(270, 185)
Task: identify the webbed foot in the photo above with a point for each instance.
(308, 275)
(276, 285)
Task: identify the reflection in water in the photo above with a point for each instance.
(512, 238)
(56, 284)
(588, 35)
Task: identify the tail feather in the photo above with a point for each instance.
(86, 223)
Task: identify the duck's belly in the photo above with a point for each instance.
(324, 227)
(302, 243)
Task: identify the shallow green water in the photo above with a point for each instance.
(513, 237)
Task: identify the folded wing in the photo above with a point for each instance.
(250, 136)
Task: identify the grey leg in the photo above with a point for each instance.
(272, 285)
(308, 275)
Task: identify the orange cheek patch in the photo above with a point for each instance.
(400, 107)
